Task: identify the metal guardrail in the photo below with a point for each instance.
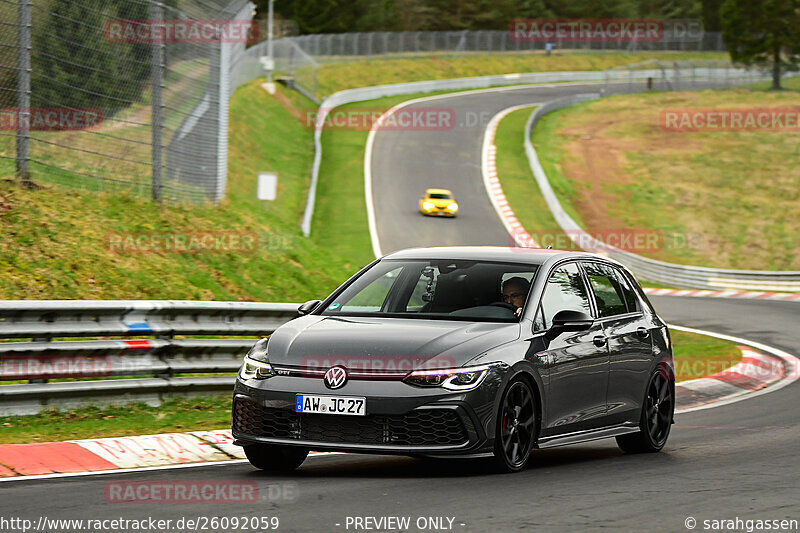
(112, 370)
(650, 269)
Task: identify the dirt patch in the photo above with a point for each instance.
(598, 158)
(289, 106)
(595, 161)
(720, 198)
(6, 203)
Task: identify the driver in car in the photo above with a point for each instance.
(515, 291)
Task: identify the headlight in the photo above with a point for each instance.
(453, 207)
(451, 379)
(427, 205)
(256, 363)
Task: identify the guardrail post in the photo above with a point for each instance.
(40, 339)
(23, 90)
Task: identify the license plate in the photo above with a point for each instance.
(331, 405)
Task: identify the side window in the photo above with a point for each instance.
(607, 289)
(565, 290)
(625, 284)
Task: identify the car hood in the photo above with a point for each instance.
(384, 344)
(439, 202)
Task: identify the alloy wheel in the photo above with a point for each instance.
(517, 425)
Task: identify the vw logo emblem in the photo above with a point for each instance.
(335, 377)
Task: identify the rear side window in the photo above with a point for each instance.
(626, 285)
(565, 290)
(611, 292)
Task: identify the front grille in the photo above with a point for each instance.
(423, 427)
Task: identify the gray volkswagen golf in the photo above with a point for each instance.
(462, 351)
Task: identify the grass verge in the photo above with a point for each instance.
(520, 187)
(700, 355)
(695, 356)
(726, 199)
(57, 243)
(338, 76)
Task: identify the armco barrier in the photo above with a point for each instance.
(113, 370)
(649, 269)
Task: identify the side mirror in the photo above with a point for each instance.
(572, 321)
(308, 307)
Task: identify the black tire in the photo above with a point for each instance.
(656, 418)
(274, 458)
(516, 427)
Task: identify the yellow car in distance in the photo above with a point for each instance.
(438, 202)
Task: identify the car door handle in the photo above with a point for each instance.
(643, 333)
(599, 341)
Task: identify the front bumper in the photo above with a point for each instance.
(439, 212)
(400, 418)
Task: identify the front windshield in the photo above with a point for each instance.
(440, 196)
(439, 289)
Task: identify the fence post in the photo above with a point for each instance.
(157, 85)
(24, 89)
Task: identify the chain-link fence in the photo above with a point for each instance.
(678, 36)
(299, 57)
(119, 94)
(656, 75)
(290, 61)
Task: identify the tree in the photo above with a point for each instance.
(710, 13)
(73, 65)
(594, 9)
(671, 9)
(763, 31)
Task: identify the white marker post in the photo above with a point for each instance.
(269, 65)
(267, 186)
(269, 60)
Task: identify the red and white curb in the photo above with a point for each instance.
(114, 453)
(762, 370)
(518, 233)
(754, 372)
(725, 294)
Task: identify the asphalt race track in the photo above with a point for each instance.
(738, 460)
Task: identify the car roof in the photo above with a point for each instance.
(507, 254)
(438, 191)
